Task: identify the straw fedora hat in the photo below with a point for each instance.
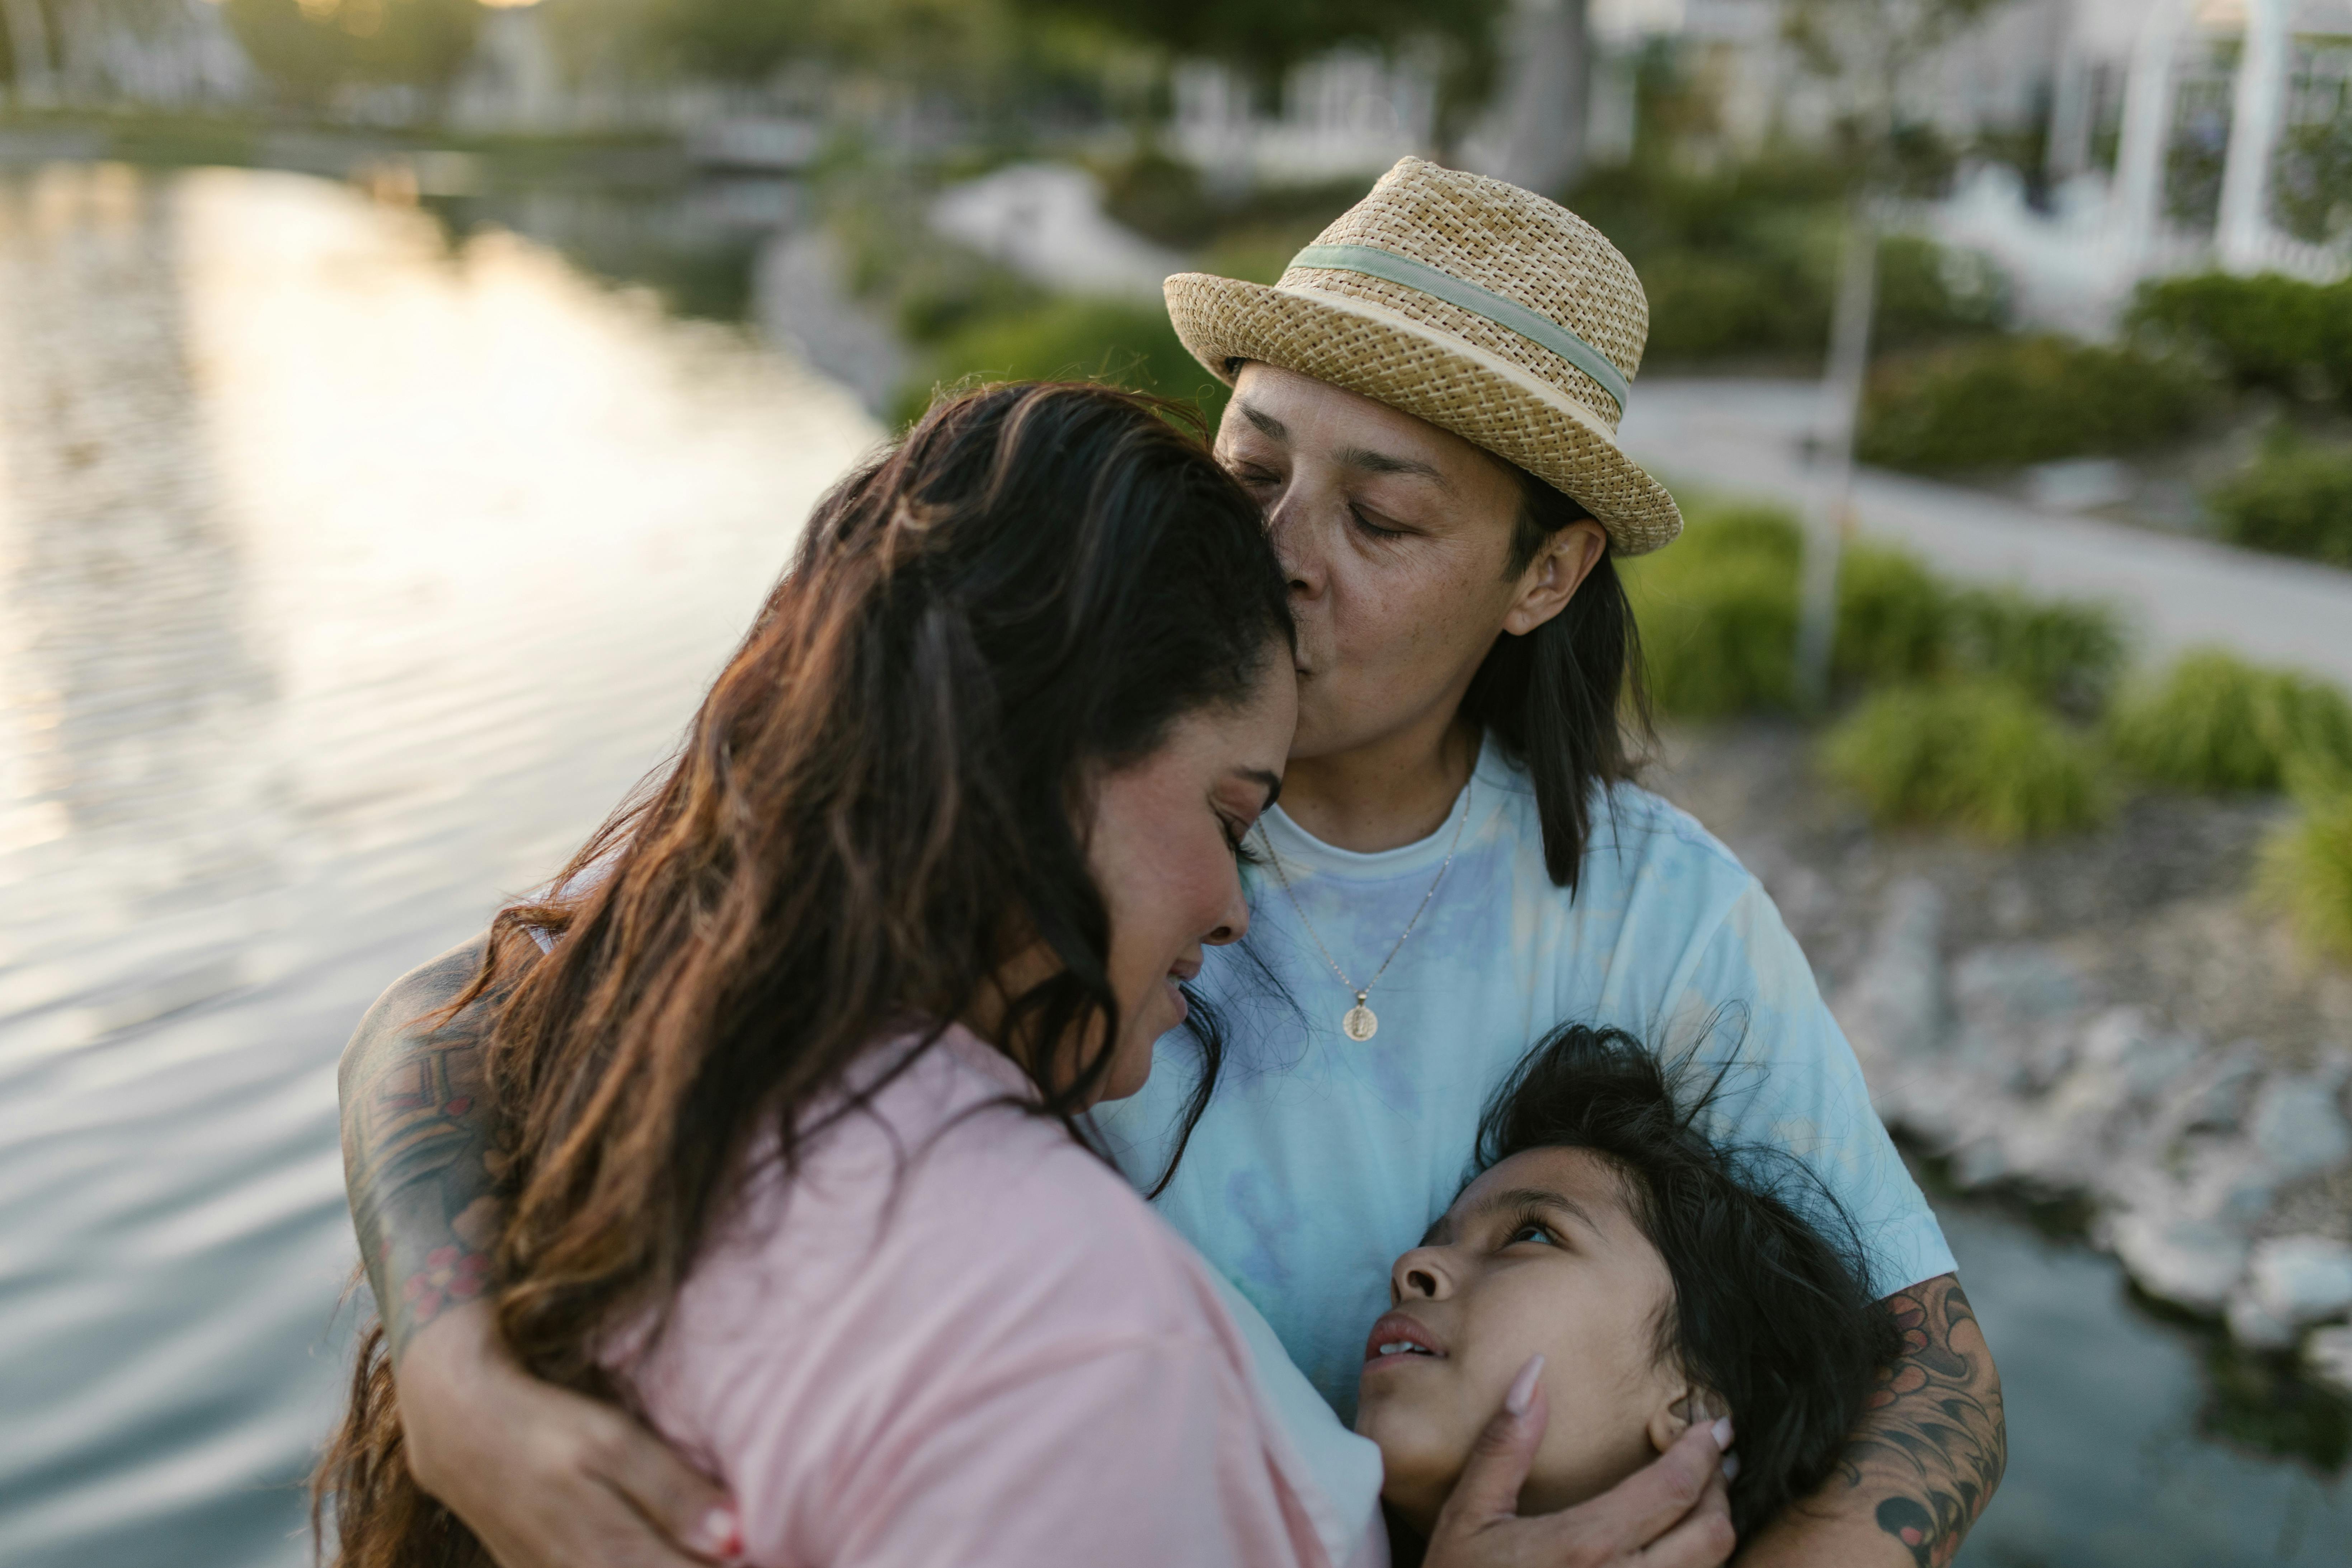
(1474, 305)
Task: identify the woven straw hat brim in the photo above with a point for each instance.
(1432, 375)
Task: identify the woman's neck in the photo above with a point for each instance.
(1394, 792)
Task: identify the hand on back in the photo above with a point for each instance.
(547, 1477)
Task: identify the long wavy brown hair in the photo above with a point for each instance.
(879, 801)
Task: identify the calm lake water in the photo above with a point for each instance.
(348, 574)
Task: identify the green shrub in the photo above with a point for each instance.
(2265, 331)
(937, 295)
(1705, 305)
(1894, 618)
(2311, 194)
(2305, 870)
(1929, 293)
(2066, 652)
(2295, 500)
(1161, 197)
(1089, 339)
(1256, 254)
(2313, 722)
(2010, 401)
(1717, 611)
(1718, 614)
(1977, 754)
(2216, 724)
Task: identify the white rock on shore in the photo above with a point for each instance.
(2299, 1280)
(2328, 1355)
(2003, 1061)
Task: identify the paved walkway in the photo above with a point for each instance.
(1746, 438)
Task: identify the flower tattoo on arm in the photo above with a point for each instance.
(1933, 1444)
(420, 1155)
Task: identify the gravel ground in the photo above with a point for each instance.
(2149, 913)
(2153, 906)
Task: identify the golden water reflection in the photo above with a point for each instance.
(345, 579)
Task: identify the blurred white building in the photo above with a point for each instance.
(2173, 134)
(171, 54)
(1349, 113)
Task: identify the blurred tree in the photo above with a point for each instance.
(748, 41)
(1262, 39)
(2313, 199)
(415, 43)
(301, 46)
(1869, 50)
(24, 48)
(308, 48)
(1265, 37)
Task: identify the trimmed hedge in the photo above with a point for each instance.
(1980, 754)
(1717, 610)
(1894, 618)
(2265, 331)
(2010, 401)
(2069, 652)
(2293, 500)
(1718, 614)
(2215, 724)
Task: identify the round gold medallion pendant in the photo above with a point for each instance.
(1360, 1023)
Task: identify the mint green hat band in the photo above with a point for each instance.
(1540, 329)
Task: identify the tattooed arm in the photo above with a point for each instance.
(418, 1138)
(1926, 1458)
(546, 1477)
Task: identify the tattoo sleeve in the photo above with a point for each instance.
(1932, 1447)
(419, 1147)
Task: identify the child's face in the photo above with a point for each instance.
(1541, 1253)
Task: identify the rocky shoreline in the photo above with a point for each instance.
(2101, 1019)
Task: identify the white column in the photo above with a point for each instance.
(2148, 127)
(1535, 137)
(2255, 110)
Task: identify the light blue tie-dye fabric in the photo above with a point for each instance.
(1320, 1159)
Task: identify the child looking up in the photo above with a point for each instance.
(1609, 1252)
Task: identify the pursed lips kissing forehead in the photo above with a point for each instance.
(1397, 539)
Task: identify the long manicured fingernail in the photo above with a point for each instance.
(719, 1534)
(1731, 1466)
(1723, 1432)
(1523, 1387)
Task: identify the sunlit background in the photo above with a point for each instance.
(404, 403)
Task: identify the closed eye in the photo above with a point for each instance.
(1237, 840)
(1374, 528)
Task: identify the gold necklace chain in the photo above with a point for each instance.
(1361, 1023)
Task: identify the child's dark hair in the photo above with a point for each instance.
(1773, 1307)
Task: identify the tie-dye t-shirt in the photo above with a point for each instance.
(1321, 1158)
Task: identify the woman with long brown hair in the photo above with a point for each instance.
(789, 1057)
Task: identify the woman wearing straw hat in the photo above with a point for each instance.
(1426, 404)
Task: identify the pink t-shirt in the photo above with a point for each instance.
(993, 1353)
